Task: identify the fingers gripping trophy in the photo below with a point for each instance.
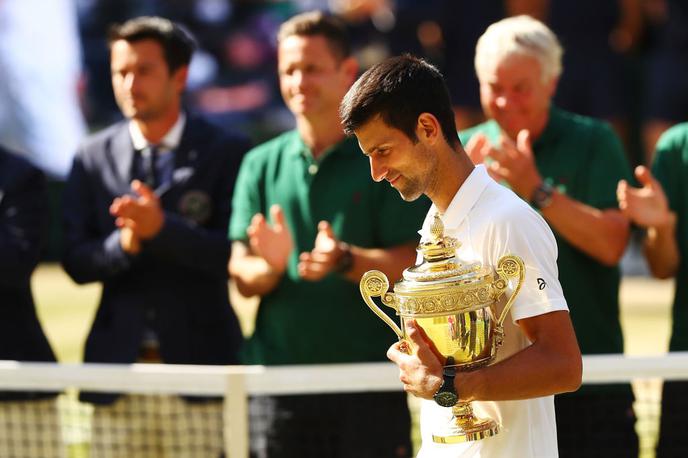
(456, 305)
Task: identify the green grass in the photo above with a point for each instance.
(66, 311)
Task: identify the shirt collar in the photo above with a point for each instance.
(347, 145)
(169, 142)
(462, 203)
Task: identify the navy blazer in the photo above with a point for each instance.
(23, 222)
(180, 276)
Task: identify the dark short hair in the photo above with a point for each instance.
(177, 43)
(399, 89)
(317, 23)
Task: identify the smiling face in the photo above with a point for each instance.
(411, 168)
(313, 80)
(514, 94)
(143, 86)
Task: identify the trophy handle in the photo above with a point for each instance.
(373, 284)
(508, 267)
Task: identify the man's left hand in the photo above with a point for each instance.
(142, 214)
(420, 371)
(515, 164)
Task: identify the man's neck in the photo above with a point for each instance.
(320, 134)
(453, 169)
(154, 130)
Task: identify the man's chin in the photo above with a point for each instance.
(409, 196)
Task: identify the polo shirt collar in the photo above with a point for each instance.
(464, 200)
(169, 142)
(348, 144)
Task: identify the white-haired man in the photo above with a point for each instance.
(566, 166)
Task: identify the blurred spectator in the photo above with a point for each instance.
(567, 166)
(661, 207)
(307, 223)
(231, 77)
(666, 96)
(39, 79)
(29, 422)
(146, 213)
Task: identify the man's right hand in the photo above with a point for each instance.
(274, 242)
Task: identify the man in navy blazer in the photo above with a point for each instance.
(147, 206)
(29, 424)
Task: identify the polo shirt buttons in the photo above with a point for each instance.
(313, 169)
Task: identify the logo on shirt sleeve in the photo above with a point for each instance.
(541, 283)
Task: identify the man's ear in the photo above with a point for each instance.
(180, 76)
(350, 68)
(428, 128)
(552, 86)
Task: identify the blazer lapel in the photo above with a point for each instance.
(121, 155)
(186, 156)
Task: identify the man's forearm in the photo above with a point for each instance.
(552, 364)
(601, 234)
(391, 261)
(661, 249)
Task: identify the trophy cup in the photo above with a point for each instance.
(456, 305)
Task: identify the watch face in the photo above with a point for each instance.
(446, 398)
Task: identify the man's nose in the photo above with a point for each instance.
(502, 101)
(377, 170)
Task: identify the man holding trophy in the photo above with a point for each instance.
(401, 113)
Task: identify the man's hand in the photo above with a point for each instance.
(478, 148)
(515, 164)
(129, 242)
(323, 259)
(272, 243)
(139, 218)
(420, 371)
(647, 206)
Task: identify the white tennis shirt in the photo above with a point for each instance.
(490, 221)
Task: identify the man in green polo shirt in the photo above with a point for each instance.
(307, 222)
(567, 166)
(661, 207)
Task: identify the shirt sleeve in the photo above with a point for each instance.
(667, 166)
(522, 232)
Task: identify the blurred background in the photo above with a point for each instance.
(625, 61)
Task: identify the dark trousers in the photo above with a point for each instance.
(352, 425)
(673, 429)
(596, 425)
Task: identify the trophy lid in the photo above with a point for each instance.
(440, 264)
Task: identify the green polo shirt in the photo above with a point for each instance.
(670, 167)
(303, 322)
(582, 158)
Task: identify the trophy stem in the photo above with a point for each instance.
(467, 427)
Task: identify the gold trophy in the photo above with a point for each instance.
(456, 305)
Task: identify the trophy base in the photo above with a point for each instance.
(467, 427)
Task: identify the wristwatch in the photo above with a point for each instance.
(542, 196)
(346, 259)
(447, 396)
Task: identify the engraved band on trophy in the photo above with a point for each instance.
(455, 304)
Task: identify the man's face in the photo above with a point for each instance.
(313, 80)
(143, 86)
(513, 94)
(408, 167)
